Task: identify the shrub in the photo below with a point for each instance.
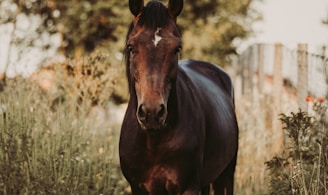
(93, 80)
(302, 168)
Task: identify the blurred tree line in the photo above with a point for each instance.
(210, 27)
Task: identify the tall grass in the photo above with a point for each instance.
(53, 149)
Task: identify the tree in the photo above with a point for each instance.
(87, 23)
(82, 24)
(215, 25)
(26, 37)
(210, 28)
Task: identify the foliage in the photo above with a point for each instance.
(87, 23)
(25, 39)
(83, 24)
(303, 167)
(212, 25)
(93, 80)
(46, 151)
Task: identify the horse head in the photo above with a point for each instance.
(152, 50)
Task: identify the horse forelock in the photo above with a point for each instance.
(154, 15)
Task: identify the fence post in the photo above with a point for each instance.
(302, 76)
(242, 73)
(235, 73)
(260, 67)
(251, 62)
(277, 132)
(277, 79)
(247, 72)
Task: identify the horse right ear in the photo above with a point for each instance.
(136, 6)
(175, 7)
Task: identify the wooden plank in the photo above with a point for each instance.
(302, 76)
(260, 67)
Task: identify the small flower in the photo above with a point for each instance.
(308, 99)
(321, 99)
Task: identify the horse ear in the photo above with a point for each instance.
(136, 6)
(175, 7)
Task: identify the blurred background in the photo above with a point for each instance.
(63, 90)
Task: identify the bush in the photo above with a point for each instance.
(93, 80)
(302, 168)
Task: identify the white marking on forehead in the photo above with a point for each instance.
(157, 38)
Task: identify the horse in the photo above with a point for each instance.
(179, 134)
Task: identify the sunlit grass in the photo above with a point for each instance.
(53, 149)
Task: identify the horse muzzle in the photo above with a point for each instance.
(152, 116)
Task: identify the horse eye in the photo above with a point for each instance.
(130, 48)
(178, 50)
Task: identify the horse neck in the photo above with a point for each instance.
(173, 108)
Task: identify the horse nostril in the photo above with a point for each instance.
(161, 111)
(142, 112)
(151, 117)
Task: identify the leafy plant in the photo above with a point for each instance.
(302, 168)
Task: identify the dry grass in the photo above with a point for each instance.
(57, 142)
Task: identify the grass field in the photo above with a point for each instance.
(61, 143)
(54, 147)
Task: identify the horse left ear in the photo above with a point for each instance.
(175, 7)
(136, 6)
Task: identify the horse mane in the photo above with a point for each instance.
(126, 54)
(154, 15)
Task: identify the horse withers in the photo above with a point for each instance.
(179, 133)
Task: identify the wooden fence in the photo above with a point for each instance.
(271, 79)
(305, 72)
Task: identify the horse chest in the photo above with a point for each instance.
(160, 178)
(160, 171)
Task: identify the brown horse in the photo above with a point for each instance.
(179, 133)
